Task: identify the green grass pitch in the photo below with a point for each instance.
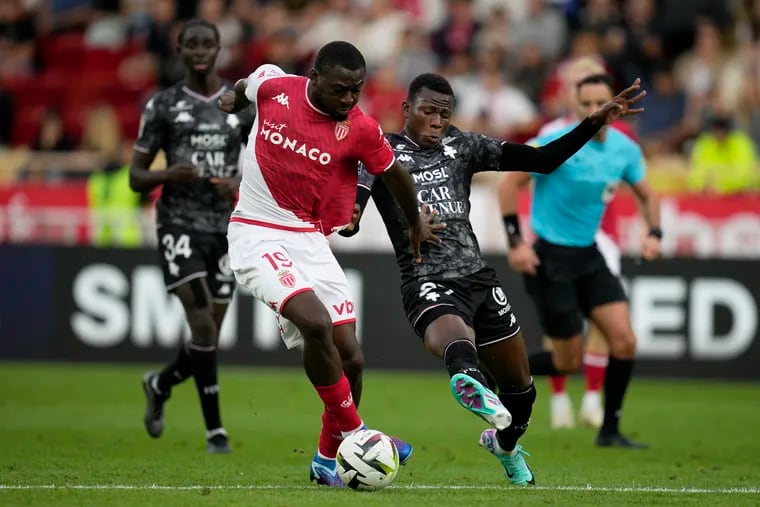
(73, 435)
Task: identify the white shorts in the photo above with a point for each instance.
(275, 265)
(610, 251)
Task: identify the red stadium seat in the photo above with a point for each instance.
(26, 124)
(74, 115)
(63, 51)
(43, 89)
(129, 119)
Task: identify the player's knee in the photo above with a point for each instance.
(567, 362)
(316, 327)
(203, 328)
(623, 344)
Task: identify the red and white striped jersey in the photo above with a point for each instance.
(301, 166)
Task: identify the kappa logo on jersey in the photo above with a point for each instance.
(287, 278)
(286, 143)
(341, 130)
(405, 158)
(449, 151)
(282, 99)
(184, 117)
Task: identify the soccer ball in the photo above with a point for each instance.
(367, 460)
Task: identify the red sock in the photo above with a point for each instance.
(329, 437)
(340, 404)
(558, 383)
(594, 369)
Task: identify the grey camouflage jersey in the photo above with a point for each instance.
(191, 128)
(442, 179)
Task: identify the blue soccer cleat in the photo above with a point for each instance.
(325, 472)
(480, 400)
(515, 468)
(404, 448)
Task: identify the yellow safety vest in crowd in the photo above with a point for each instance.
(726, 167)
(114, 208)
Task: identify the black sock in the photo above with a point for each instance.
(489, 378)
(204, 372)
(175, 372)
(520, 405)
(541, 363)
(615, 385)
(461, 356)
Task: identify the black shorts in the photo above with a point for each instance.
(478, 298)
(569, 283)
(186, 255)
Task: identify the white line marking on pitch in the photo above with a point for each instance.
(588, 488)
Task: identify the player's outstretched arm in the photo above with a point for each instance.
(547, 158)
(235, 101)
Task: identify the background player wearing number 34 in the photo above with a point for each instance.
(299, 185)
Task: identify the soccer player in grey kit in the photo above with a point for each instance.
(454, 301)
(202, 146)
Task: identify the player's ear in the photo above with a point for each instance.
(313, 75)
(406, 109)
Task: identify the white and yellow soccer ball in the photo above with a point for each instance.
(367, 460)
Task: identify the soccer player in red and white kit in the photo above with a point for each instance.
(299, 185)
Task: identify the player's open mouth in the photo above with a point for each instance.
(200, 66)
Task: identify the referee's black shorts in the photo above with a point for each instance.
(569, 283)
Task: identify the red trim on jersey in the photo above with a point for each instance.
(346, 321)
(290, 296)
(269, 225)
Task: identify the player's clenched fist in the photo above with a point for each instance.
(227, 101)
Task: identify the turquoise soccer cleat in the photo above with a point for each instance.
(480, 400)
(515, 468)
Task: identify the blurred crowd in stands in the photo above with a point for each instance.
(74, 74)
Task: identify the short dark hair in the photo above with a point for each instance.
(434, 82)
(195, 22)
(340, 53)
(595, 79)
